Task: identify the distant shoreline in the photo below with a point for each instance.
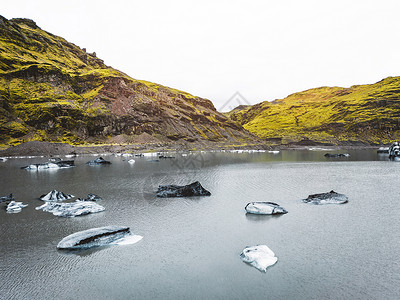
(36, 148)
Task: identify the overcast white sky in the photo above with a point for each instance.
(264, 49)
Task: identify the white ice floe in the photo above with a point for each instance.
(73, 209)
(131, 161)
(101, 236)
(15, 207)
(55, 195)
(3, 159)
(260, 257)
(274, 151)
(265, 208)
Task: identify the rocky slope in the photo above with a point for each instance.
(52, 90)
(368, 114)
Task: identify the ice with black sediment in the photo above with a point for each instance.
(15, 207)
(265, 208)
(101, 236)
(55, 195)
(72, 209)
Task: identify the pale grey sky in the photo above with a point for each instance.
(264, 49)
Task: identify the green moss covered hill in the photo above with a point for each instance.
(52, 90)
(360, 114)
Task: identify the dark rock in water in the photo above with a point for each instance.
(394, 150)
(383, 150)
(9, 197)
(93, 237)
(165, 157)
(98, 161)
(336, 155)
(265, 208)
(91, 197)
(55, 195)
(51, 165)
(73, 209)
(326, 198)
(190, 190)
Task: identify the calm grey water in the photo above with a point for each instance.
(191, 246)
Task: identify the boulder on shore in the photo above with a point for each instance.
(190, 190)
(264, 208)
(326, 198)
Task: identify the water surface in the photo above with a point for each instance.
(191, 246)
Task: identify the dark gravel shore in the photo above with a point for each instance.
(37, 148)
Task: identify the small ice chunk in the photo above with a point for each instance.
(265, 208)
(15, 207)
(260, 257)
(131, 161)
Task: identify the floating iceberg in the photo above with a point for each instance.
(73, 209)
(95, 237)
(15, 207)
(51, 165)
(131, 161)
(326, 198)
(55, 195)
(9, 197)
(274, 151)
(264, 208)
(98, 161)
(91, 197)
(190, 190)
(3, 159)
(260, 257)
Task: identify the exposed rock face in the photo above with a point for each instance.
(260, 257)
(55, 195)
(326, 198)
(190, 190)
(265, 208)
(73, 209)
(53, 90)
(93, 237)
(98, 161)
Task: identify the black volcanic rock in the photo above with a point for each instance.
(190, 190)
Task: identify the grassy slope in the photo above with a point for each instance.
(53, 90)
(364, 113)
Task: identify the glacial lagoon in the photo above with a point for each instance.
(191, 246)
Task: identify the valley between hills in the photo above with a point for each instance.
(54, 91)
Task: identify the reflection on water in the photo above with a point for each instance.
(191, 246)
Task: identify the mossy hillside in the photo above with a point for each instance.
(365, 113)
(53, 90)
